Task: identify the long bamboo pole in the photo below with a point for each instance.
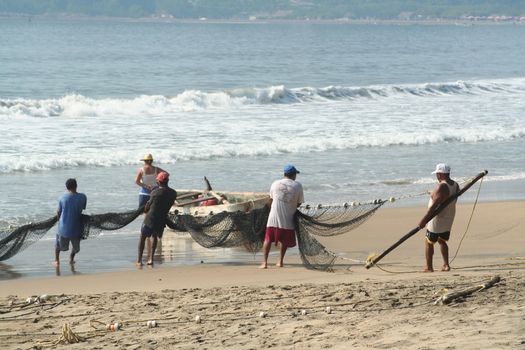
(438, 210)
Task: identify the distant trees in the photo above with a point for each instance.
(293, 9)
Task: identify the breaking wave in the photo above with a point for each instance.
(195, 100)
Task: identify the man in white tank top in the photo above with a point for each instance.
(146, 180)
(438, 229)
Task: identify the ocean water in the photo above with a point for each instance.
(364, 111)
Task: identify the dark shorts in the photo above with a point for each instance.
(62, 243)
(149, 231)
(286, 237)
(143, 200)
(433, 237)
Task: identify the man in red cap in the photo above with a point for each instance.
(156, 209)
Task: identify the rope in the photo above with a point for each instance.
(42, 307)
(490, 265)
(375, 201)
(469, 220)
(460, 242)
(68, 336)
(427, 192)
(361, 262)
(395, 272)
(460, 267)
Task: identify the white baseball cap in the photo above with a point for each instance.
(442, 168)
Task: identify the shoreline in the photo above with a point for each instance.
(492, 239)
(436, 21)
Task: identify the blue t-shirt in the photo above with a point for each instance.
(70, 207)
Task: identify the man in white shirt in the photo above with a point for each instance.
(286, 195)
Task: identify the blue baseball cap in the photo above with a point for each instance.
(290, 169)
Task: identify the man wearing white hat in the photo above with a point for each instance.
(438, 229)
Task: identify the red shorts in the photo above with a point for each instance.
(286, 237)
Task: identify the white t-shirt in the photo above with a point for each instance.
(286, 194)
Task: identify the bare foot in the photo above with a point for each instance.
(445, 268)
(428, 270)
(150, 263)
(139, 264)
(279, 265)
(263, 266)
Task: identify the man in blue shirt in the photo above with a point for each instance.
(69, 212)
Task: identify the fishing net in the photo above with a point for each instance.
(225, 229)
(333, 220)
(14, 240)
(246, 229)
(95, 224)
(328, 221)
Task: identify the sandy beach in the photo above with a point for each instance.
(242, 307)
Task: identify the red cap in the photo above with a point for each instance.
(163, 176)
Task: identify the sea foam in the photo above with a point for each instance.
(194, 100)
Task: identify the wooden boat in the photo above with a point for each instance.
(203, 203)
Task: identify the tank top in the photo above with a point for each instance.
(148, 180)
(444, 220)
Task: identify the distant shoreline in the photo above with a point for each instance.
(437, 21)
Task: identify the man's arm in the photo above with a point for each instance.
(439, 195)
(300, 199)
(270, 195)
(59, 210)
(138, 179)
(148, 205)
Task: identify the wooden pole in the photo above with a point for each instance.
(449, 297)
(438, 210)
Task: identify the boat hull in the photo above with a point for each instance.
(233, 202)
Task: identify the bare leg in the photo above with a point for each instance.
(159, 245)
(153, 247)
(444, 252)
(57, 257)
(142, 241)
(282, 251)
(429, 254)
(148, 247)
(266, 252)
(72, 258)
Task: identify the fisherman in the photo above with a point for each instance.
(286, 195)
(70, 207)
(156, 209)
(145, 179)
(438, 229)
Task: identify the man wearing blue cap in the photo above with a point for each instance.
(286, 195)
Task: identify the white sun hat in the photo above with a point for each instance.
(442, 168)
